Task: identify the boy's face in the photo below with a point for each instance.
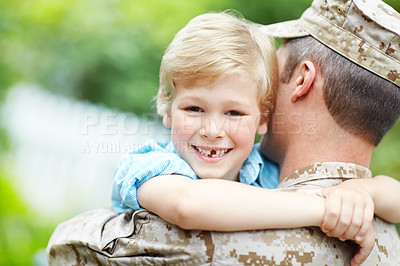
(213, 125)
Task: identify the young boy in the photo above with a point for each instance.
(216, 92)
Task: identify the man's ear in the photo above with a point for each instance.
(305, 80)
(167, 121)
(262, 127)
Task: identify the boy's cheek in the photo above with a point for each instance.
(188, 126)
(181, 148)
(243, 127)
(243, 133)
(184, 124)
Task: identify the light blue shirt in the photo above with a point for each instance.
(160, 158)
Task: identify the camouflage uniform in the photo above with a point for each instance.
(102, 237)
(364, 31)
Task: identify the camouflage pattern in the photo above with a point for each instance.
(364, 31)
(102, 237)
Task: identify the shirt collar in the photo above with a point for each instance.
(252, 166)
(170, 148)
(324, 171)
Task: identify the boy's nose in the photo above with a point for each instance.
(212, 128)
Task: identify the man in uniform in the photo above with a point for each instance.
(319, 139)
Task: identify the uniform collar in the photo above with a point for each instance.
(325, 171)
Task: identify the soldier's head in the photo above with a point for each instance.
(356, 46)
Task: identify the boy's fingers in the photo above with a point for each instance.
(365, 249)
(361, 256)
(357, 222)
(369, 211)
(367, 222)
(343, 220)
(333, 207)
(356, 260)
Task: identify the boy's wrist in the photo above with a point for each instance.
(372, 186)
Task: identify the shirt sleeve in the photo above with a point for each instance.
(137, 167)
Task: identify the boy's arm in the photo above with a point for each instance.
(135, 168)
(230, 206)
(384, 191)
(227, 206)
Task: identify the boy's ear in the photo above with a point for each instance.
(305, 80)
(262, 127)
(167, 121)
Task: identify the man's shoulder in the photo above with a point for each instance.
(387, 244)
(102, 235)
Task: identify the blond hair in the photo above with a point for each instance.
(216, 45)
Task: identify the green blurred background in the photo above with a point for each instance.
(108, 53)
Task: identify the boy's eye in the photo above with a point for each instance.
(235, 113)
(193, 109)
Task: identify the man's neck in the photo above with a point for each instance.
(306, 151)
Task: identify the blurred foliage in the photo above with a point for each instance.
(108, 52)
(385, 158)
(22, 233)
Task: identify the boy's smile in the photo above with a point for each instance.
(211, 152)
(213, 125)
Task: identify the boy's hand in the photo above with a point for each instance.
(366, 245)
(349, 211)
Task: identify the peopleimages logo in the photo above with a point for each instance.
(108, 133)
(117, 124)
(294, 123)
(116, 133)
(114, 146)
(229, 124)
